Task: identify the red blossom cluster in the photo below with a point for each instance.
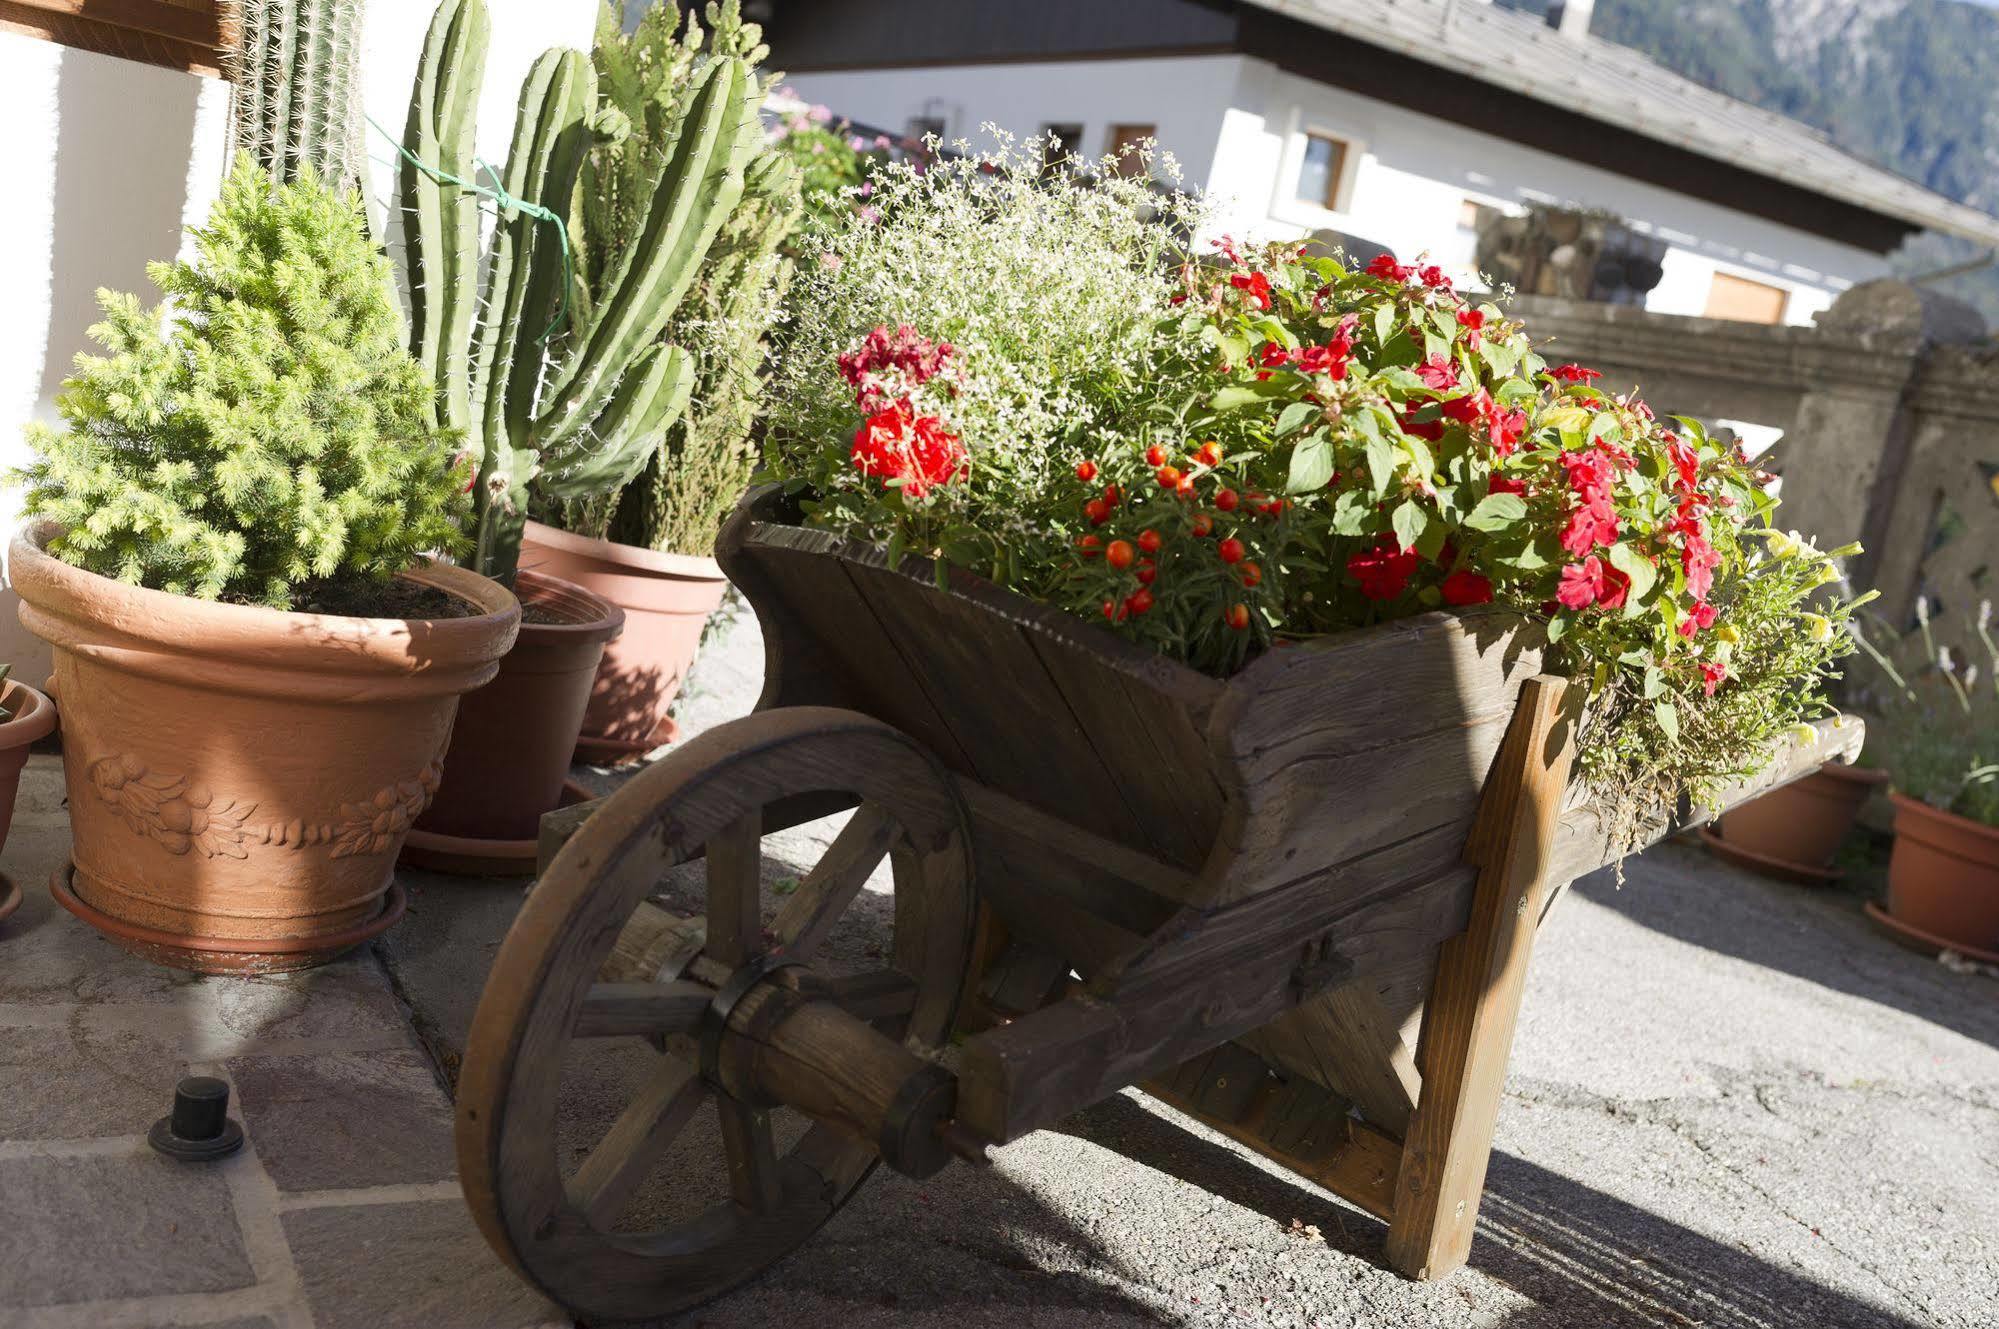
(895, 442)
(1329, 360)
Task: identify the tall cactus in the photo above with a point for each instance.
(585, 420)
(296, 68)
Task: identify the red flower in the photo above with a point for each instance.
(1593, 523)
(1699, 560)
(1274, 355)
(1469, 408)
(1699, 619)
(1465, 587)
(1473, 320)
(1506, 430)
(878, 441)
(1616, 586)
(937, 456)
(1385, 267)
(1573, 373)
(1383, 571)
(920, 451)
(1685, 460)
(1439, 373)
(1581, 584)
(1500, 484)
(1713, 675)
(1428, 429)
(1433, 277)
(1255, 288)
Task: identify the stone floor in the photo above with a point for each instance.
(1731, 1103)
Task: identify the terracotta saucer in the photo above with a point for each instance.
(1917, 939)
(464, 856)
(214, 955)
(10, 896)
(592, 750)
(1781, 868)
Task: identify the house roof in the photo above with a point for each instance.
(1617, 85)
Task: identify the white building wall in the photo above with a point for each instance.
(1239, 125)
(108, 162)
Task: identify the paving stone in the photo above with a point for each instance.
(346, 1119)
(348, 999)
(73, 1083)
(249, 1322)
(421, 1264)
(86, 1228)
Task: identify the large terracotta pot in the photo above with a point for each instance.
(510, 749)
(667, 599)
(1943, 878)
(240, 779)
(1796, 831)
(33, 717)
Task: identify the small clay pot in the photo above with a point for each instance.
(511, 747)
(667, 599)
(33, 716)
(1943, 877)
(243, 777)
(1796, 831)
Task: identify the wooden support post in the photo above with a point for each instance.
(1468, 1024)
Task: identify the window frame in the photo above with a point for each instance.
(1742, 279)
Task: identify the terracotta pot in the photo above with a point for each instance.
(511, 746)
(240, 779)
(34, 715)
(1796, 831)
(667, 599)
(1943, 878)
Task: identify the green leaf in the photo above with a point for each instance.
(1238, 395)
(1311, 464)
(1382, 459)
(895, 548)
(1409, 521)
(1642, 571)
(1669, 719)
(1384, 323)
(1655, 683)
(1495, 512)
(1294, 417)
(1351, 511)
(1558, 627)
(1431, 542)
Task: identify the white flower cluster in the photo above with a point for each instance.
(1039, 273)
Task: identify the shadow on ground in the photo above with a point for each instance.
(1583, 1257)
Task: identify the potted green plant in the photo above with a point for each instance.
(26, 716)
(646, 544)
(1937, 734)
(556, 388)
(259, 663)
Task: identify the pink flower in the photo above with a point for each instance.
(1713, 675)
(831, 261)
(1439, 373)
(1573, 373)
(869, 214)
(1581, 584)
(1699, 619)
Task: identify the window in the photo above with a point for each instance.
(180, 34)
(1322, 171)
(1129, 136)
(1060, 142)
(1749, 301)
(1468, 214)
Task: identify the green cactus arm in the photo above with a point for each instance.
(441, 221)
(525, 272)
(652, 394)
(697, 188)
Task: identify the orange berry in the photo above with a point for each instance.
(1226, 500)
(1231, 550)
(1167, 476)
(1145, 572)
(1149, 541)
(1236, 616)
(1138, 601)
(1119, 554)
(1155, 455)
(1086, 471)
(1097, 511)
(1210, 453)
(1251, 574)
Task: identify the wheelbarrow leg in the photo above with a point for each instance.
(1475, 998)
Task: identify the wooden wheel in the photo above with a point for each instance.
(809, 1074)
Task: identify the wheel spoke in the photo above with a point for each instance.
(613, 1009)
(831, 886)
(875, 995)
(604, 1185)
(752, 1156)
(735, 890)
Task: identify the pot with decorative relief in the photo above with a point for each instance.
(241, 779)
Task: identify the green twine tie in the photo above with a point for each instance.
(502, 200)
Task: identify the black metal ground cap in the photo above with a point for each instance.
(199, 1127)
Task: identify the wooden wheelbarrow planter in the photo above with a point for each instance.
(1297, 904)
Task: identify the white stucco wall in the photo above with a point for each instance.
(1239, 126)
(108, 162)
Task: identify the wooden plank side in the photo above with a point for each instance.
(1345, 1041)
(1332, 749)
(1468, 1023)
(1214, 978)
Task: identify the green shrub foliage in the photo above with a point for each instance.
(262, 428)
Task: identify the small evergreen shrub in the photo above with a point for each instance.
(263, 427)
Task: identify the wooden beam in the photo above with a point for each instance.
(1475, 998)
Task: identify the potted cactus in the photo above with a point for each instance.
(547, 392)
(646, 544)
(258, 662)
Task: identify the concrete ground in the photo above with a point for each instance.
(1731, 1103)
